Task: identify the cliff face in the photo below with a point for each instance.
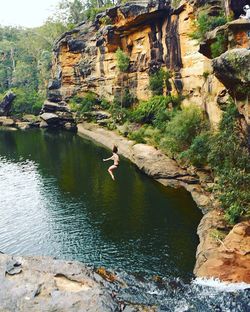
(153, 36)
(156, 36)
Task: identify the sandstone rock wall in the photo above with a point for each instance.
(156, 36)
(226, 257)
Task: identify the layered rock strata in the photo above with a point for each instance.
(153, 36)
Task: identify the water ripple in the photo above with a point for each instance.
(57, 199)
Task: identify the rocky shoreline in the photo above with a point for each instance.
(46, 284)
(40, 284)
(223, 252)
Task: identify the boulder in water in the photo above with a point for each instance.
(50, 118)
(43, 124)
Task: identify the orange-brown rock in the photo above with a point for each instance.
(228, 259)
(154, 36)
(108, 276)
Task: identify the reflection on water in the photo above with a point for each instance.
(57, 199)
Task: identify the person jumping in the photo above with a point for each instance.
(116, 160)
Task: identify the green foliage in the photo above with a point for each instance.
(122, 60)
(181, 130)
(226, 153)
(224, 140)
(175, 3)
(26, 102)
(69, 12)
(92, 12)
(5, 74)
(111, 126)
(158, 81)
(138, 135)
(105, 20)
(83, 104)
(207, 23)
(219, 46)
(217, 235)
(155, 111)
(233, 192)
(73, 12)
(26, 56)
(1, 96)
(205, 74)
(198, 151)
(25, 75)
(126, 99)
(119, 114)
(105, 104)
(229, 159)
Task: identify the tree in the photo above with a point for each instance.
(68, 12)
(25, 75)
(26, 55)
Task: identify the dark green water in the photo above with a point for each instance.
(58, 199)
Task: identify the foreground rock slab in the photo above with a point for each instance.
(45, 284)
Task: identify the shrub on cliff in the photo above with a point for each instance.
(146, 134)
(181, 130)
(225, 151)
(158, 81)
(198, 151)
(219, 46)
(83, 104)
(128, 99)
(124, 100)
(138, 135)
(229, 159)
(122, 60)
(156, 111)
(93, 9)
(206, 23)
